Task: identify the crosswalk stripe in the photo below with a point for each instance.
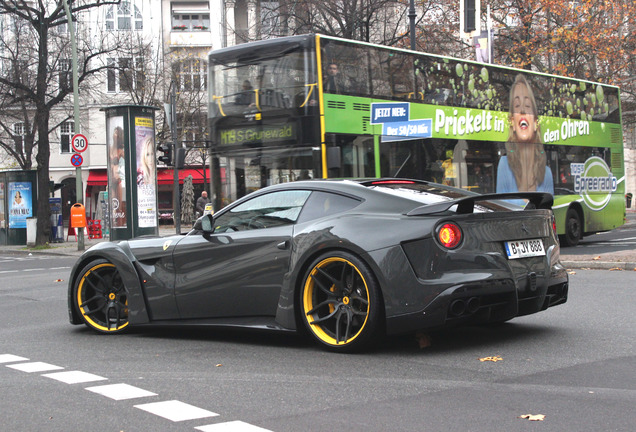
(176, 411)
(232, 426)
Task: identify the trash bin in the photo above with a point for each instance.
(628, 200)
(32, 229)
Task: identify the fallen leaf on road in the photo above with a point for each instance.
(423, 340)
(59, 280)
(533, 417)
(219, 365)
(571, 272)
(491, 358)
(597, 258)
(616, 269)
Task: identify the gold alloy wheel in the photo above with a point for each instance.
(336, 300)
(101, 298)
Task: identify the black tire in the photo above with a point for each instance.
(100, 298)
(340, 302)
(573, 228)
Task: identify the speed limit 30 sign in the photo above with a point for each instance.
(79, 143)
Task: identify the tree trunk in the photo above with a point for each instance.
(42, 159)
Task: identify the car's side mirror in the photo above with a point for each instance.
(205, 223)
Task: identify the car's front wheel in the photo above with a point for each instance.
(340, 302)
(100, 298)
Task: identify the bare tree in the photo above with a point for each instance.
(189, 75)
(33, 53)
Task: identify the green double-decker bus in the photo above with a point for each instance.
(315, 106)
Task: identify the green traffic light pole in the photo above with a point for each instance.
(79, 189)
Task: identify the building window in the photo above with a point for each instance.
(66, 75)
(20, 71)
(66, 134)
(122, 17)
(124, 74)
(191, 16)
(19, 130)
(191, 75)
(192, 130)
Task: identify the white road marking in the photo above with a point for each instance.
(233, 426)
(34, 269)
(176, 411)
(74, 377)
(8, 358)
(34, 367)
(173, 410)
(120, 391)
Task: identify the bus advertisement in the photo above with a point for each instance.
(314, 106)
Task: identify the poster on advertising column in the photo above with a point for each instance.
(146, 172)
(116, 171)
(20, 208)
(2, 216)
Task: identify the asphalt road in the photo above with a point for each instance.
(573, 363)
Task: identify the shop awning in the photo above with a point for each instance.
(166, 176)
(97, 177)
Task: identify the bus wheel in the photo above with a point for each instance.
(573, 228)
(341, 303)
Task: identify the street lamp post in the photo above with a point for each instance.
(412, 16)
(76, 118)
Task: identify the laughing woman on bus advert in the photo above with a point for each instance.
(524, 168)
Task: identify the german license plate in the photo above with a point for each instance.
(524, 248)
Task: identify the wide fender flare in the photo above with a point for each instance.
(300, 261)
(118, 254)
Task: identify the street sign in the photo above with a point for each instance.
(79, 143)
(77, 160)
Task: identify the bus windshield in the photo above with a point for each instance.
(261, 83)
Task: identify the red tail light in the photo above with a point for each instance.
(449, 235)
(554, 224)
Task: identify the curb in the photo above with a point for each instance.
(599, 265)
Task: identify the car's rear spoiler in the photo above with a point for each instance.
(537, 200)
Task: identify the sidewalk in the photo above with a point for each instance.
(622, 260)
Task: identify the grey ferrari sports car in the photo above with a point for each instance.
(346, 261)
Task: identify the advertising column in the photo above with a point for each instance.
(132, 171)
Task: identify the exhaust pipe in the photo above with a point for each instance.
(473, 305)
(457, 307)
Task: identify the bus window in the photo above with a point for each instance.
(357, 156)
(344, 69)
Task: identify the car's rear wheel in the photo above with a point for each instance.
(340, 302)
(100, 297)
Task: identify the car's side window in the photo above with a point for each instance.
(322, 204)
(264, 211)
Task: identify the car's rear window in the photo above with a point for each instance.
(322, 204)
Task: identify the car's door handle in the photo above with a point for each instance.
(283, 245)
